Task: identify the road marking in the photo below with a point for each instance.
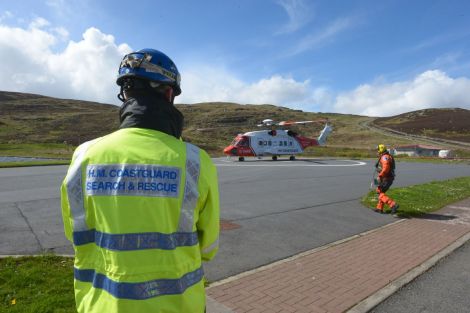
(263, 163)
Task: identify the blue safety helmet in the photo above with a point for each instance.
(151, 65)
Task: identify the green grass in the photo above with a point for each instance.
(434, 160)
(33, 163)
(38, 150)
(426, 198)
(36, 284)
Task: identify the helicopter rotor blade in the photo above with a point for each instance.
(289, 123)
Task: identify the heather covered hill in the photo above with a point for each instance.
(450, 124)
(27, 119)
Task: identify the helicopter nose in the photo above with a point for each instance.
(230, 150)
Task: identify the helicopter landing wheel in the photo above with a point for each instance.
(292, 158)
(274, 157)
(241, 159)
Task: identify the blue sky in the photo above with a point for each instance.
(373, 58)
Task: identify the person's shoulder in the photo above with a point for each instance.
(204, 156)
(98, 143)
(86, 145)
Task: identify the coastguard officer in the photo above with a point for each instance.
(141, 206)
(385, 167)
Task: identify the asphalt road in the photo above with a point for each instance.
(280, 208)
(444, 288)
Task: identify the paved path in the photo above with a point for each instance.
(444, 288)
(354, 274)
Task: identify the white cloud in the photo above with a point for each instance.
(61, 32)
(431, 89)
(6, 15)
(61, 8)
(299, 15)
(38, 22)
(208, 84)
(56, 3)
(322, 37)
(85, 70)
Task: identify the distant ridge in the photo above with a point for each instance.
(449, 123)
(9, 95)
(30, 118)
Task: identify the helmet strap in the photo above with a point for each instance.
(120, 95)
(130, 84)
(170, 95)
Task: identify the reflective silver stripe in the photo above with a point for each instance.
(211, 248)
(154, 68)
(135, 241)
(191, 192)
(75, 189)
(140, 290)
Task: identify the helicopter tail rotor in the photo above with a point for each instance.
(324, 134)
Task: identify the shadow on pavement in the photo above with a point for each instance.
(436, 217)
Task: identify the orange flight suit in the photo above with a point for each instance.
(386, 168)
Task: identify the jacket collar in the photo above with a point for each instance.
(152, 112)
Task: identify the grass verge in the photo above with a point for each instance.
(38, 150)
(34, 163)
(421, 199)
(37, 284)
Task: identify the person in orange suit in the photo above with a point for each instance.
(385, 167)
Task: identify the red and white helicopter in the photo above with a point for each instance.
(274, 142)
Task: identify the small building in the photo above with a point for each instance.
(417, 150)
(446, 154)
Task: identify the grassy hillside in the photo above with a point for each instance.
(213, 125)
(43, 126)
(450, 124)
(27, 118)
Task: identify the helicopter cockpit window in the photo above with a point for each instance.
(243, 142)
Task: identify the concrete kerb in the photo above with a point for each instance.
(376, 298)
(4, 256)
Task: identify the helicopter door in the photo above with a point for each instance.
(262, 145)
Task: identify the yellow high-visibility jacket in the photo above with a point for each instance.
(142, 210)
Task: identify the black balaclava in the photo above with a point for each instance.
(147, 108)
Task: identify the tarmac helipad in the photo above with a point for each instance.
(299, 162)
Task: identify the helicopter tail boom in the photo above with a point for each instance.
(306, 142)
(324, 135)
(320, 141)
